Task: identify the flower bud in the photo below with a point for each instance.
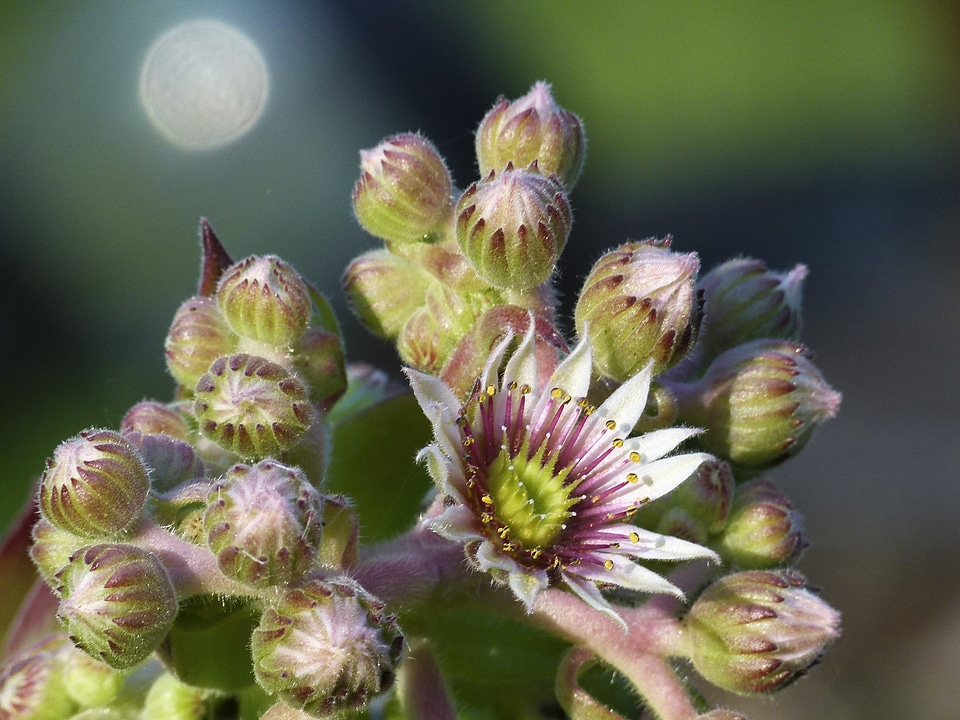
(764, 530)
(197, 337)
(117, 602)
(154, 418)
(32, 688)
(695, 509)
(171, 461)
(433, 331)
(319, 359)
(403, 194)
(90, 682)
(512, 227)
(265, 299)
(251, 406)
(95, 485)
(759, 403)
(384, 290)
(755, 632)
(263, 523)
(170, 699)
(51, 549)
(638, 305)
(743, 301)
(340, 544)
(532, 129)
(326, 646)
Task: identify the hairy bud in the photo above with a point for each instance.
(764, 529)
(198, 335)
(153, 418)
(384, 290)
(32, 688)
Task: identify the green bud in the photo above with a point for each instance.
(340, 544)
(532, 129)
(197, 337)
(51, 549)
(265, 299)
(698, 507)
(743, 301)
(95, 485)
(282, 711)
(170, 699)
(153, 418)
(764, 530)
(512, 226)
(759, 403)
(638, 305)
(90, 682)
(326, 646)
(117, 602)
(251, 406)
(403, 194)
(384, 290)
(319, 359)
(433, 330)
(755, 632)
(263, 523)
(32, 688)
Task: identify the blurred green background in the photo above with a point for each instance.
(818, 132)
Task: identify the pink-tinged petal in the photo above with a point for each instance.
(627, 403)
(439, 405)
(625, 573)
(573, 374)
(647, 545)
(443, 474)
(522, 366)
(491, 371)
(587, 591)
(456, 523)
(654, 445)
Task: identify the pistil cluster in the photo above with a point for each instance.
(594, 499)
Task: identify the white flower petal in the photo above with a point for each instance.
(440, 406)
(573, 374)
(627, 574)
(588, 592)
(456, 523)
(657, 443)
(522, 366)
(491, 370)
(438, 466)
(660, 477)
(527, 584)
(626, 404)
(650, 545)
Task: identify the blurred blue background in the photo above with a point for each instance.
(819, 132)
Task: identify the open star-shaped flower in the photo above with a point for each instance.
(541, 486)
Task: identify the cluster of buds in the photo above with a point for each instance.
(202, 561)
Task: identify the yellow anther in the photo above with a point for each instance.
(617, 443)
(503, 532)
(556, 393)
(635, 456)
(513, 385)
(634, 537)
(536, 552)
(526, 389)
(485, 518)
(610, 425)
(632, 478)
(491, 390)
(468, 441)
(486, 500)
(608, 564)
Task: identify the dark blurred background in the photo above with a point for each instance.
(822, 132)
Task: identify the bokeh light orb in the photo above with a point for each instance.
(203, 84)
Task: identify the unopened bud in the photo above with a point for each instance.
(319, 359)
(52, 548)
(340, 544)
(638, 305)
(403, 194)
(326, 646)
(171, 461)
(265, 299)
(117, 602)
(384, 290)
(697, 508)
(512, 227)
(433, 331)
(755, 632)
(153, 418)
(170, 699)
(90, 682)
(32, 688)
(251, 406)
(743, 301)
(759, 403)
(764, 529)
(532, 129)
(263, 523)
(95, 485)
(197, 337)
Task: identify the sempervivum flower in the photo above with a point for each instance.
(541, 486)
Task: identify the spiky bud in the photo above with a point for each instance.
(764, 529)
(153, 418)
(744, 301)
(755, 632)
(759, 402)
(170, 699)
(117, 602)
(198, 335)
(265, 299)
(251, 406)
(263, 523)
(326, 646)
(532, 128)
(638, 305)
(512, 226)
(403, 194)
(32, 688)
(95, 485)
(384, 290)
